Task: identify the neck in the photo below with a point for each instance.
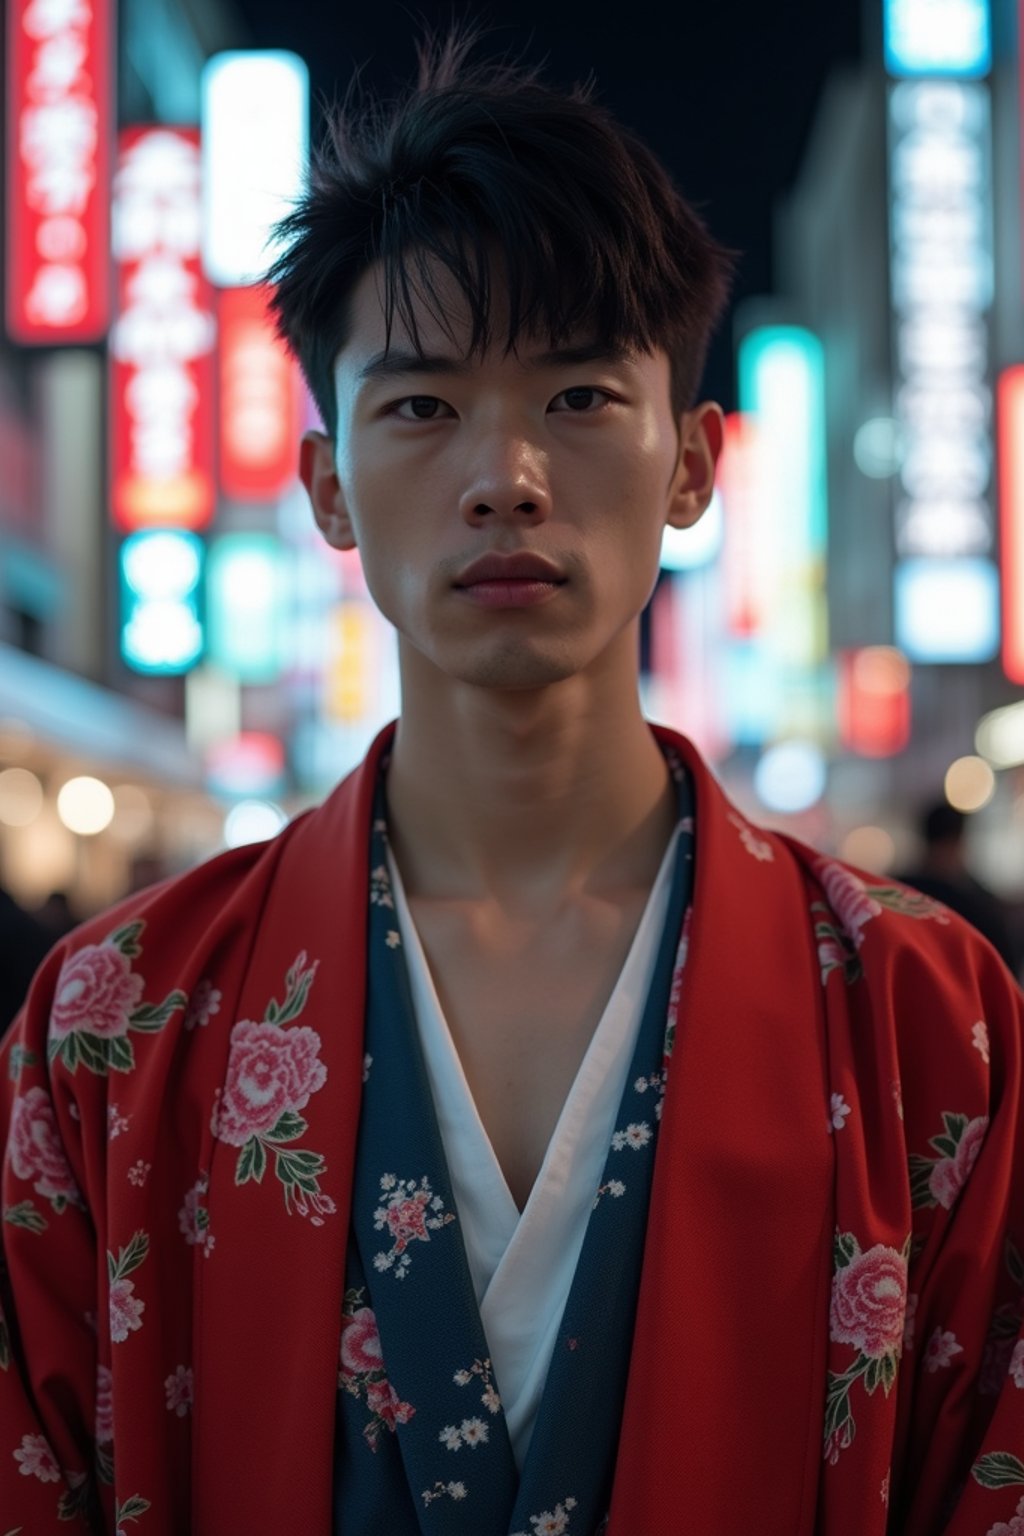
(527, 798)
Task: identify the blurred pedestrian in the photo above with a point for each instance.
(23, 943)
(523, 1139)
(942, 872)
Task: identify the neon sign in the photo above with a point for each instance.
(162, 363)
(58, 168)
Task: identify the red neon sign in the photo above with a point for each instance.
(260, 400)
(58, 169)
(873, 702)
(162, 344)
(1010, 429)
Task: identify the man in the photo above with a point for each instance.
(942, 873)
(522, 1142)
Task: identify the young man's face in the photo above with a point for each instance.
(440, 463)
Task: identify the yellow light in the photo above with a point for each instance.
(1000, 736)
(870, 848)
(21, 797)
(970, 784)
(85, 805)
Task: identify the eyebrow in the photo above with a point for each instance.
(395, 362)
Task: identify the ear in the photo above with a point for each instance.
(319, 475)
(701, 434)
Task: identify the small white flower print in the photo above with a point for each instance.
(380, 887)
(367, 1064)
(203, 1004)
(474, 1432)
(179, 1390)
(551, 1522)
(138, 1172)
(634, 1136)
(1017, 1364)
(897, 1097)
(838, 1111)
(489, 1397)
(116, 1122)
(942, 1346)
(193, 1217)
(885, 1490)
(394, 938)
(979, 1039)
(758, 847)
(450, 1438)
(35, 1459)
(614, 1187)
(388, 1181)
(442, 1490)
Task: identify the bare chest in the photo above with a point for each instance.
(522, 1003)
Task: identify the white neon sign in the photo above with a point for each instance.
(255, 138)
(938, 37)
(941, 287)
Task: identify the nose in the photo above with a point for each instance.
(506, 479)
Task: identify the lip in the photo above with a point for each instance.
(519, 593)
(522, 567)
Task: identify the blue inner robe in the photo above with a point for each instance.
(421, 1444)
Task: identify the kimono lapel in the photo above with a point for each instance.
(269, 1287)
(726, 1391)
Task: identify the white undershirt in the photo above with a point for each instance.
(522, 1265)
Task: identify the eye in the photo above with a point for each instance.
(582, 399)
(420, 408)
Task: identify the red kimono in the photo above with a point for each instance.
(828, 1333)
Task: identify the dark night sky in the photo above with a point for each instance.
(724, 91)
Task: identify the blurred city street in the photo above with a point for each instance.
(185, 664)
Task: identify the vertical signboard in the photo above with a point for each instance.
(260, 400)
(58, 132)
(1011, 503)
(941, 286)
(162, 344)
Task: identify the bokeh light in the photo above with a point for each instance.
(85, 805)
(970, 784)
(21, 797)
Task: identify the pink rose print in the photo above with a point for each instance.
(270, 1071)
(849, 899)
(179, 1391)
(36, 1150)
(909, 1319)
(1013, 1527)
(360, 1342)
(384, 1401)
(942, 1346)
(194, 1218)
(37, 1460)
(1016, 1369)
(125, 1310)
(950, 1174)
(869, 1298)
(104, 1405)
(96, 992)
(407, 1220)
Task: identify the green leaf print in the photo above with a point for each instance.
(126, 939)
(120, 1054)
(297, 984)
(152, 1017)
(845, 1249)
(1015, 1264)
(288, 1128)
(131, 1509)
(301, 1168)
(104, 1465)
(79, 1498)
(128, 1258)
(25, 1215)
(881, 1372)
(20, 1057)
(998, 1470)
(252, 1162)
